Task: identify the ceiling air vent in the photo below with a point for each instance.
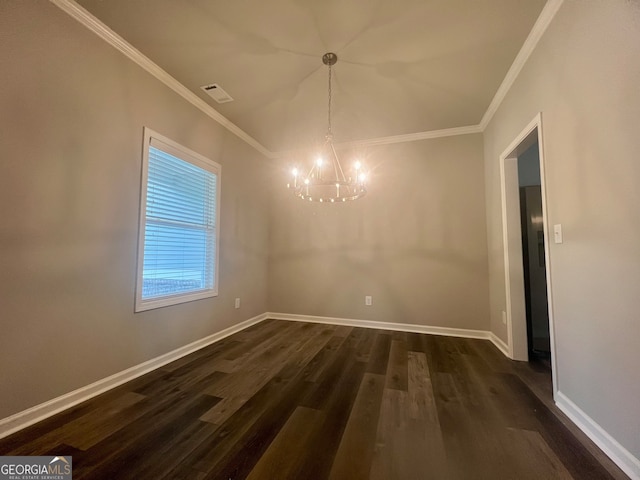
(216, 92)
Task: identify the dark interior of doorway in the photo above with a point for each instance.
(533, 257)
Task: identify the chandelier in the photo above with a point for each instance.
(326, 180)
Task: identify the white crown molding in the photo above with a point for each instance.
(622, 457)
(44, 410)
(546, 16)
(400, 327)
(409, 137)
(412, 137)
(96, 26)
(112, 38)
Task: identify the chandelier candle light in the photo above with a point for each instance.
(326, 181)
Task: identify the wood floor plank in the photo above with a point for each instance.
(421, 401)
(262, 415)
(178, 442)
(87, 430)
(379, 354)
(256, 334)
(342, 330)
(364, 345)
(400, 448)
(252, 352)
(423, 416)
(439, 353)
(238, 387)
(409, 435)
(315, 369)
(355, 452)
(183, 473)
(575, 456)
(397, 373)
(237, 459)
(336, 409)
(118, 454)
(533, 457)
(325, 383)
(215, 350)
(458, 433)
(317, 339)
(184, 377)
(283, 458)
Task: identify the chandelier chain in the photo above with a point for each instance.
(329, 107)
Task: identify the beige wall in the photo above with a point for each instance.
(71, 116)
(72, 111)
(416, 242)
(584, 77)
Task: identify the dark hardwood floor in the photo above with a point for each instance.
(289, 400)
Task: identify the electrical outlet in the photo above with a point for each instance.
(368, 300)
(504, 317)
(237, 303)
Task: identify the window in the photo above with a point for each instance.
(178, 243)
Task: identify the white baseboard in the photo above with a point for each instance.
(35, 414)
(499, 343)
(402, 327)
(609, 445)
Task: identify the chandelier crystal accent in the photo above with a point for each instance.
(326, 180)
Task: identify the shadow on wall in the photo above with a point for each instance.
(416, 241)
(341, 276)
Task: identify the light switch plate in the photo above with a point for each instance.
(557, 233)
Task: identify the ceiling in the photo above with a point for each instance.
(404, 67)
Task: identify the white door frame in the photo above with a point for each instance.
(512, 245)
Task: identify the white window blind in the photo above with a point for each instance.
(179, 245)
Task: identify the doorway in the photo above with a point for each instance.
(529, 304)
(533, 256)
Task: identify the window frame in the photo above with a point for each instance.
(189, 156)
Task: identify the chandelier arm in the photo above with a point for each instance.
(335, 162)
(338, 166)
